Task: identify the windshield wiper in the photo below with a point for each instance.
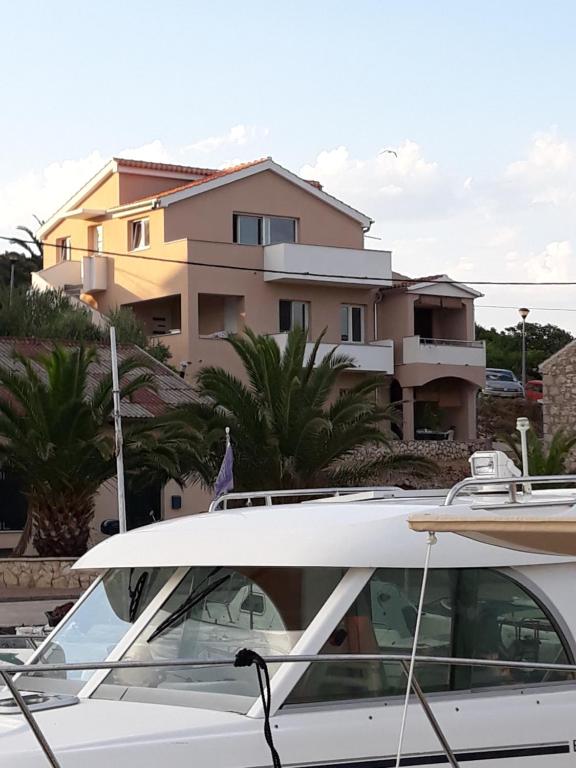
(195, 597)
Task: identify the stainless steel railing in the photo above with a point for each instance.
(509, 482)
(7, 671)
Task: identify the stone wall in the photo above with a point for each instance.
(43, 573)
(450, 457)
(559, 396)
(440, 450)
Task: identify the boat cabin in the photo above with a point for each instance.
(333, 576)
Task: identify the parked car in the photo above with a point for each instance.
(534, 390)
(502, 383)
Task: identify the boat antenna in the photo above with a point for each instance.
(118, 440)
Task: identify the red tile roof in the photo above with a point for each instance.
(404, 283)
(209, 175)
(168, 167)
(197, 182)
(169, 389)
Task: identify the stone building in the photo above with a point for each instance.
(559, 390)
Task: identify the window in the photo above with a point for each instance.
(279, 230)
(248, 230)
(96, 239)
(351, 323)
(139, 234)
(64, 248)
(212, 614)
(474, 613)
(293, 314)
(263, 230)
(99, 623)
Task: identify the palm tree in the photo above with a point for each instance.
(542, 460)
(56, 438)
(290, 425)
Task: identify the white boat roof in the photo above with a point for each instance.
(340, 534)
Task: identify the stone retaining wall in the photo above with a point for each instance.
(43, 573)
(440, 450)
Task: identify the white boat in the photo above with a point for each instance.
(336, 578)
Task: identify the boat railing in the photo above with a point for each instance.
(267, 498)
(507, 482)
(7, 672)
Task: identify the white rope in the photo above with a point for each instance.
(431, 542)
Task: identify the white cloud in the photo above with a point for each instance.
(238, 135)
(552, 263)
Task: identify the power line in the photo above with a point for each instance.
(537, 309)
(393, 283)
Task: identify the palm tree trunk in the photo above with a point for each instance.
(22, 546)
(62, 525)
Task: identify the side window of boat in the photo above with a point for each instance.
(498, 619)
(382, 620)
(474, 613)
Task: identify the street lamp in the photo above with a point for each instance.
(524, 312)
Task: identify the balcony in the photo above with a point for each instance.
(417, 349)
(324, 265)
(94, 274)
(376, 357)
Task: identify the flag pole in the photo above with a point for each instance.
(118, 432)
(227, 437)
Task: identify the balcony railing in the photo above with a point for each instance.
(325, 265)
(374, 357)
(417, 349)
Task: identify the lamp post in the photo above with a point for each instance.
(524, 312)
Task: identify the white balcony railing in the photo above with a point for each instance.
(417, 349)
(293, 262)
(375, 357)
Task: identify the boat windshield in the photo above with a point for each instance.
(94, 629)
(213, 613)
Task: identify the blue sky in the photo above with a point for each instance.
(476, 97)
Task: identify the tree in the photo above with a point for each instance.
(56, 438)
(33, 247)
(504, 348)
(542, 460)
(290, 428)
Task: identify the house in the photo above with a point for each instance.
(200, 253)
(154, 502)
(559, 391)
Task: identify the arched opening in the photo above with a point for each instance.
(445, 408)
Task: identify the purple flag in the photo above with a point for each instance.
(225, 479)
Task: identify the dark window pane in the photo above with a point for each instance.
(499, 620)
(382, 619)
(285, 315)
(282, 230)
(247, 230)
(357, 323)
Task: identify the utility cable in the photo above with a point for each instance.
(392, 282)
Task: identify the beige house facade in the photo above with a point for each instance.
(200, 253)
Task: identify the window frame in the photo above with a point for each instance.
(64, 245)
(263, 228)
(306, 307)
(97, 239)
(530, 589)
(348, 308)
(144, 221)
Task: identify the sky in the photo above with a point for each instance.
(476, 99)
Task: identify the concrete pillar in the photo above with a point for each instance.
(408, 413)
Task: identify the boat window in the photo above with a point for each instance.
(475, 613)
(99, 623)
(212, 614)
